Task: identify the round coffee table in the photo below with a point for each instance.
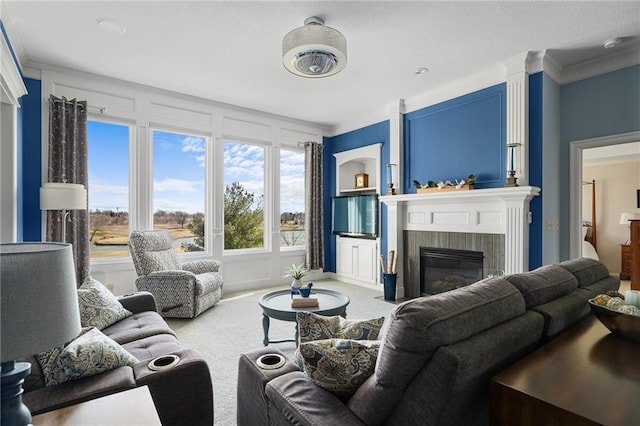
(277, 305)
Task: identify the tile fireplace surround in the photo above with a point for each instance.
(501, 211)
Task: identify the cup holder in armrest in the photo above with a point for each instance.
(270, 361)
(163, 362)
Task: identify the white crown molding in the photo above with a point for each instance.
(10, 79)
(615, 61)
(14, 39)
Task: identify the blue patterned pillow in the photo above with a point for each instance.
(99, 308)
(319, 327)
(338, 365)
(88, 354)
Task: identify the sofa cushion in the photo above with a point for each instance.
(318, 327)
(543, 284)
(339, 365)
(563, 312)
(99, 308)
(586, 270)
(418, 327)
(153, 346)
(88, 354)
(138, 326)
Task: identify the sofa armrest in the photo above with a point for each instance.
(51, 398)
(251, 401)
(140, 301)
(183, 394)
(202, 266)
(297, 399)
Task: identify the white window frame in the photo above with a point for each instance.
(294, 148)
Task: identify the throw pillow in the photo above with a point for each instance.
(88, 354)
(99, 308)
(338, 365)
(318, 327)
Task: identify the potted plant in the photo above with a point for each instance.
(296, 272)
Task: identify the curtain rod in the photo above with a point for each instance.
(71, 101)
(302, 143)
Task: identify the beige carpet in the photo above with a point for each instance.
(234, 326)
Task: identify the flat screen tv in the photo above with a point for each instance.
(355, 215)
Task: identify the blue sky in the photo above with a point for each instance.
(178, 171)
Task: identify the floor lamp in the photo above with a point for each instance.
(64, 197)
(38, 311)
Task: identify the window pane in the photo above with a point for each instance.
(243, 196)
(178, 188)
(291, 198)
(108, 162)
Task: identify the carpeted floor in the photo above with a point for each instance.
(234, 326)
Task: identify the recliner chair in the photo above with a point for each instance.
(181, 290)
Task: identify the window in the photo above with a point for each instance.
(179, 188)
(291, 198)
(243, 196)
(108, 163)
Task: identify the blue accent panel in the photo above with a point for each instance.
(456, 138)
(604, 105)
(29, 170)
(375, 133)
(535, 169)
(19, 160)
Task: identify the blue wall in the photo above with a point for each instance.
(375, 133)
(535, 168)
(607, 104)
(456, 138)
(29, 168)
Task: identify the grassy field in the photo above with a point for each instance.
(118, 236)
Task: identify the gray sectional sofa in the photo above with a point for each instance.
(437, 355)
(183, 394)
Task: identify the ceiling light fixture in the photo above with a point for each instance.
(111, 25)
(314, 50)
(613, 42)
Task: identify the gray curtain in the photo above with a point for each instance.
(68, 163)
(313, 205)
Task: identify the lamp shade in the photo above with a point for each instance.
(625, 217)
(63, 196)
(38, 298)
(314, 50)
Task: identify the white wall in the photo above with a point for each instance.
(551, 160)
(616, 185)
(143, 107)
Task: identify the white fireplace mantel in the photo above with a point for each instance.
(488, 211)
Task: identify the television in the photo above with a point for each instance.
(355, 215)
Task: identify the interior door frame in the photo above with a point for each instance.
(575, 184)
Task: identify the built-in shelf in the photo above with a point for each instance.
(367, 190)
(359, 160)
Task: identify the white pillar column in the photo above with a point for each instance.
(517, 78)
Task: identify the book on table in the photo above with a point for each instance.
(297, 301)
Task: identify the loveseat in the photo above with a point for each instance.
(437, 354)
(183, 394)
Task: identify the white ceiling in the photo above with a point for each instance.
(230, 51)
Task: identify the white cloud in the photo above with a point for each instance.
(178, 185)
(193, 144)
(100, 188)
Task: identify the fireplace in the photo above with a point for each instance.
(447, 269)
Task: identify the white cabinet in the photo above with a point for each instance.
(356, 259)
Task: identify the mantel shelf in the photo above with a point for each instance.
(358, 190)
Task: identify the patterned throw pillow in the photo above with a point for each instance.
(339, 366)
(88, 354)
(318, 327)
(99, 308)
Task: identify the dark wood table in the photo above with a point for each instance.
(277, 305)
(586, 376)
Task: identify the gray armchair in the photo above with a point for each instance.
(181, 290)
